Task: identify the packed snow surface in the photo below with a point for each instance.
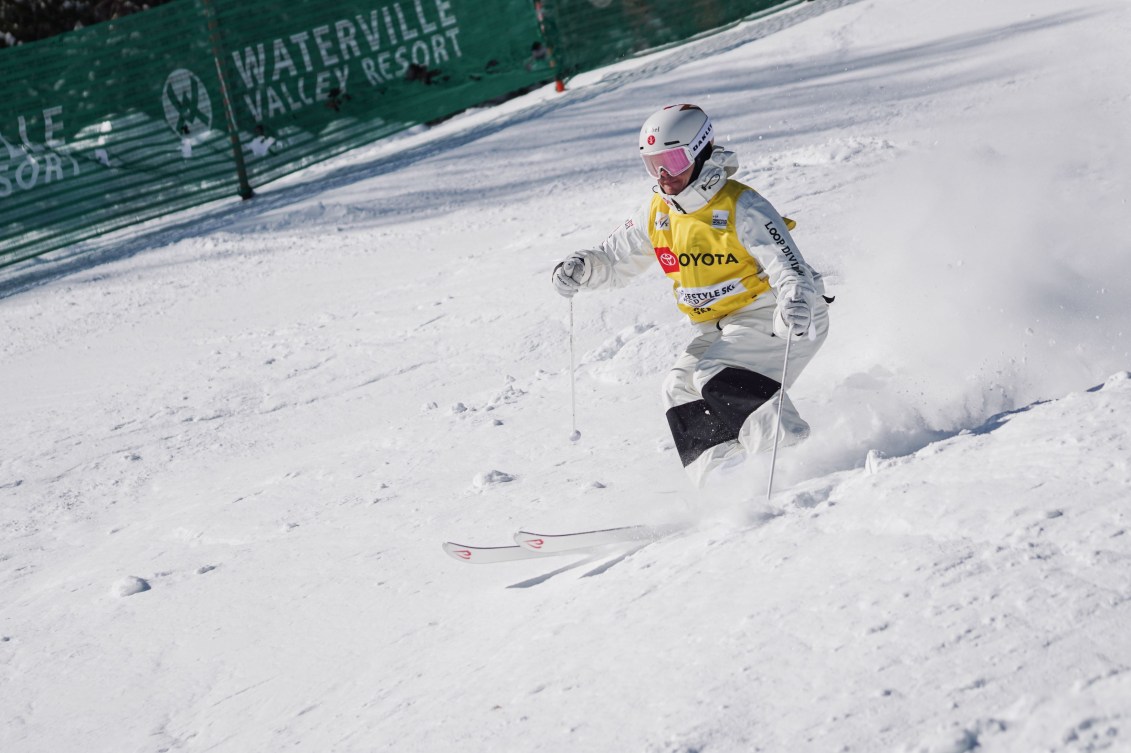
(231, 443)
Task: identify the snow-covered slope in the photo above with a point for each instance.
(231, 444)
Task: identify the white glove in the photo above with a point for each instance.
(571, 274)
(794, 313)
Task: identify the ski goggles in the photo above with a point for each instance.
(671, 161)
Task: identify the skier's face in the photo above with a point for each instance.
(673, 184)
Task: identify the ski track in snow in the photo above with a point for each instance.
(234, 440)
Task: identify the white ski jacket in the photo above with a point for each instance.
(758, 228)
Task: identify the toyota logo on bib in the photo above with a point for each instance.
(668, 261)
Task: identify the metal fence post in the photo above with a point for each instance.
(245, 191)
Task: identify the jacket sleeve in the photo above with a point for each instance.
(763, 233)
(623, 255)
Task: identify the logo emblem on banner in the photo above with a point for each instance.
(188, 109)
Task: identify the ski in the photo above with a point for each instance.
(532, 545)
(482, 555)
(565, 542)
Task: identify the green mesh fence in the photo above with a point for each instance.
(202, 99)
(587, 34)
(84, 142)
(311, 78)
(197, 100)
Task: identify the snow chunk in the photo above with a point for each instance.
(508, 396)
(129, 586)
(491, 478)
(873, 462)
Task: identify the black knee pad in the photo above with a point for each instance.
(728, 398)
(733, 394)
(696, 429)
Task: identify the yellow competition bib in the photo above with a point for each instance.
(712, 274)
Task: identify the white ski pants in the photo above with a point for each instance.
(721, 394)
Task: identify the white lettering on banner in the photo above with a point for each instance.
(281, 99)
(300, 40)
(433, 50)
(406, 33)
(309, 67)
(28, 163)
(425, 26)
(283, 61)
(346, 39)
(324, 46)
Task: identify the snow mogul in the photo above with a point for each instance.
(738, 276)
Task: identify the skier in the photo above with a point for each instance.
(738, 276)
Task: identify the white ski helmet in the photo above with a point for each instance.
(673, 137)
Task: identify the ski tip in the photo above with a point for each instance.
(459, 551)
(528, 540)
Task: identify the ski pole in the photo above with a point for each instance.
(777, 426)
(575, 434)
